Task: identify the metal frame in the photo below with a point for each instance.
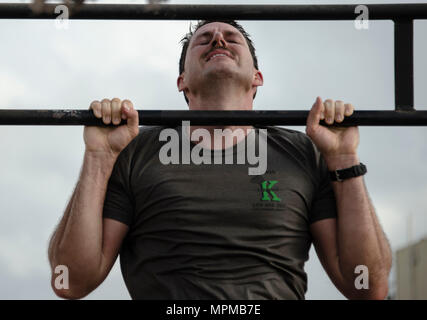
(402, 15)
(211, 117)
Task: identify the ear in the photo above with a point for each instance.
(258, 78)
(180, 82)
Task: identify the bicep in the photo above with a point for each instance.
(324, 233)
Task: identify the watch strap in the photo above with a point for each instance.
(352, 172)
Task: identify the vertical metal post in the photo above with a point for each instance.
(404, 64)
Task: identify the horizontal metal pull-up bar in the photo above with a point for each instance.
(402, 15)
(211, 117)
(195, 12)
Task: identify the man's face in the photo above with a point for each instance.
(217, 51)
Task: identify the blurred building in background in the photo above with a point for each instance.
(411, 272)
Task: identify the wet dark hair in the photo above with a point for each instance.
(187, 38)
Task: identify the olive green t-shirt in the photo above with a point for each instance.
(213, 231)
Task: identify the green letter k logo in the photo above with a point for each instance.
(267, 189)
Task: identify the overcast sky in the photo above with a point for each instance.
(42, 67)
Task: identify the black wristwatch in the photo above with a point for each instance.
(343, 174)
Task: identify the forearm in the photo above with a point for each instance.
(59, 232)
(385, 248)
(77, 243)
(360, 238)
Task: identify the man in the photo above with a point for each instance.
(214, 232)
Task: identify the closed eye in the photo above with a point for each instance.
(233, 41)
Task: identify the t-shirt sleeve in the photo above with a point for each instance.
(118, 203)
(324, 203)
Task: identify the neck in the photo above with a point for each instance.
(222, 101)
(225, 97)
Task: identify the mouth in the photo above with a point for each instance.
(218, 55)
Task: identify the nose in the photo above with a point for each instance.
(218, 40)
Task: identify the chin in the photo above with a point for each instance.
(221, 73)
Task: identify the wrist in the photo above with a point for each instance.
(338, 162)
(102, 161)
(101, 156)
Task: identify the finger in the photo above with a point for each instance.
(96, 107)
(106, 111)
(339, 111)
(132, 115)
(313, 118)
(115, 111)
(125, 108)
(329, 111)
(349, 108)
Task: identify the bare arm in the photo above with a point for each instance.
(84, 242)
(57, 235)
(78, 242)
(355, 238)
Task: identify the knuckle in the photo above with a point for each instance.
(106, 113)
(94, 104)
(128, 103)
(116, 110)
(106, 108)
(339, 108)
(348, 109)
(329, 105)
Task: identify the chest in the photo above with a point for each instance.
(223, 197)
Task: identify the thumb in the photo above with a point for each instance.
(313, 118)
(131, 114)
